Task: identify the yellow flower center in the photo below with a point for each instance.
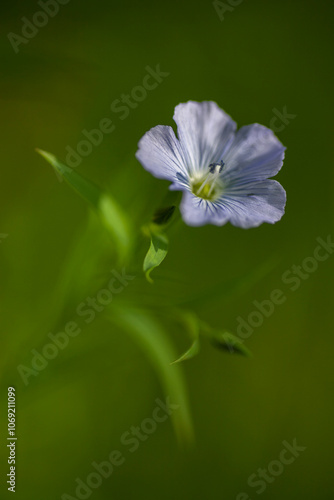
(209, 186)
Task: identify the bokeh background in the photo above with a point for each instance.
(262, 56)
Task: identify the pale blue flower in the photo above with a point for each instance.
(224, 173)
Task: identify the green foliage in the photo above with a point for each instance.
(89, 254)
(156, 253)
(221, 339)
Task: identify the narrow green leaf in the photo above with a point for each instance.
(151, 337)
(162, 216)
(89, 191)
(192, 325)
(230, 343)
(156, 253)
(190, 353)
(225, 340)
(111, 214)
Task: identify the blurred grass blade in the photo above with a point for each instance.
(152, 339)
(156, 253)
(111, 214)
(89, 191)
(116, 222)
(192, 325)
(83, 269)
(230, 289)
(225, 340)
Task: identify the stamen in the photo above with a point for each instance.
(203, 183)
(213, 185)
(214, 167)
(210, 178)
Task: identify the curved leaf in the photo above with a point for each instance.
(225, 340)
(156, 253)
(230, 343)
(192, 324)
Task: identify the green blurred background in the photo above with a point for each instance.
(262, 56)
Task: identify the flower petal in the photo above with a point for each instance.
(255, 154)
(160, 153)
(204, 131)
(254, 204)
(196, 212)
